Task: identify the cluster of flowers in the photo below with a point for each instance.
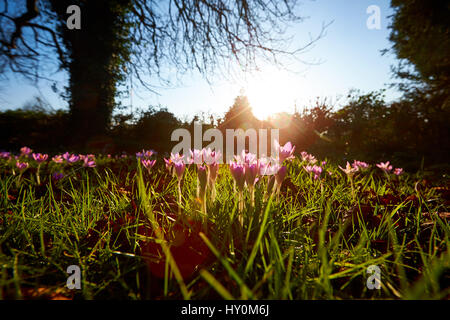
(245, 169)
(351, 169)
(22, 161)
(386, 167)
(144, 157)
(27, 153)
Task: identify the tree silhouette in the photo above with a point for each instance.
(120, 38)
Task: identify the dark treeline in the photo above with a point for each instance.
(365, 128)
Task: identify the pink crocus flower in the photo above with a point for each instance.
(360, 164)
(317, 170)
(285, 152)
(25, 151)
(148, 164)
(238, 172)
(174, 158)
(386, 167)
(5, 155)
(249, 158)
(308, 168)
(58, 159)
(21, 165)
(308, 158)
(211, 157)
(349, 170)
(179, 168)
(168, 163)
(251, 172)
(398, 171)
(40, 157)
(196, 157)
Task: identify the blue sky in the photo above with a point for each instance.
(349, 56)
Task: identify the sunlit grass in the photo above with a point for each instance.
(314, 241)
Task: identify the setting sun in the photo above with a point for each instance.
(271, 92)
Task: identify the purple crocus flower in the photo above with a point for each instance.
(238, 172)
(5, 155)
(139, 155)
(285, 152)
(148, 164)
(398, 171)
(251, 172)
(172, 160)
(88, 163)
(57, 176)
(144, 154)
(71, 158)
(21, 165)
(179, 168)
(40, 157)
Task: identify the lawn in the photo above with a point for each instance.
(163, 230)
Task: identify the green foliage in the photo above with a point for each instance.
(420, 35)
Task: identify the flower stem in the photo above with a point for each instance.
(179, 197)
(37, 175)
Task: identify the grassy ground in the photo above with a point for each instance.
(132, 239)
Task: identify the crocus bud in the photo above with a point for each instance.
(238, 173)
(179, 169)
(251, 170)
(279, 176)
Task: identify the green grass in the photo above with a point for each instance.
(313, 241)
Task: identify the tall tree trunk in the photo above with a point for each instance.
(96, 55)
